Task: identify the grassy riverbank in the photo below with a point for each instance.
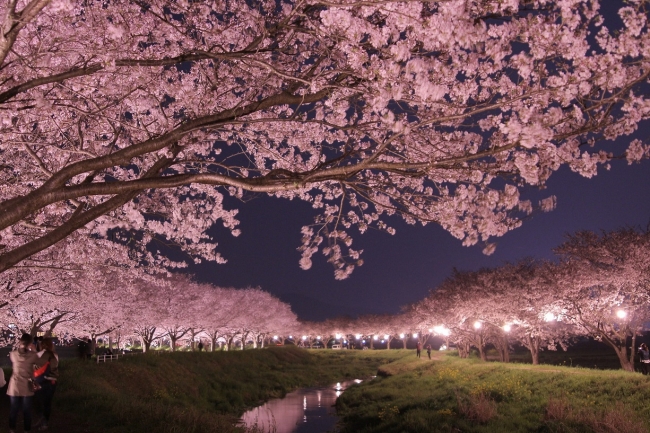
(207, 392)
(192, 392)
(457, 395)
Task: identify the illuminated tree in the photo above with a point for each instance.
(530, 311)
(134, 119)
(607, 278)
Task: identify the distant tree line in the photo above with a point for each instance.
(598, 288)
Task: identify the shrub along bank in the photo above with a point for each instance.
(192, 392)
(451, 394)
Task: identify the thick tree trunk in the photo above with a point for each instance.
(230, 342)
(501, 344)
(481, 352)
(627, 364)
(146, 344)
(372, 341)
(463, 349)
(533, 344)
(404, 342)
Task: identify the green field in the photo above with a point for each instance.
(206, 392)
(450, 394)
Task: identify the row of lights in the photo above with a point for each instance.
(548, 317)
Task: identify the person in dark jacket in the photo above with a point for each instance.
(21, 384)
(47, 376)
(644, 358)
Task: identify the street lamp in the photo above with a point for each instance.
(401, 335)
(415, 335)
(621, 314)
(386, 337)
(507, 327)
(477, 325)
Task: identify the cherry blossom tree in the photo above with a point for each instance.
(527, 295)
(135, 119)
(607, 278)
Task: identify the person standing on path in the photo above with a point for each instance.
(644, 358)
(429, 351)
(21, 385)
(47, 376)
(419, 349)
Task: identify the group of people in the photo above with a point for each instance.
(35, 371)
(418, 350)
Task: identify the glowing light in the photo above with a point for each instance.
(275, 337)
(345, 341)
(415, 335)
(363, 341)
(318, 338)
(290, 337)
(549, 317)
(338, 336)
(304, 337)
(375, 338)
(386, 337)
(477, 325)
(507, 327)
(358, 336)
(621, 314)
(382, 341)
(401, 335)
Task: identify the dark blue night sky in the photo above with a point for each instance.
(401, 269)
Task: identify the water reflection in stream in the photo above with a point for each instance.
(307, 410)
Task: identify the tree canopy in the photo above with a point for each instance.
(136, 118)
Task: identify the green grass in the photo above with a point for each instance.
(206, 392)
(459, 395)
(192, 392)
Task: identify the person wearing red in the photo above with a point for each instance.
(46, 377)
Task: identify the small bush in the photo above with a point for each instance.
(618, 419)
(478, 407)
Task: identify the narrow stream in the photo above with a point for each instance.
(306, 410)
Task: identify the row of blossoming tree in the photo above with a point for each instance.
(110, 296)
(599, 288)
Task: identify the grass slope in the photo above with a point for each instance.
(450, 394)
